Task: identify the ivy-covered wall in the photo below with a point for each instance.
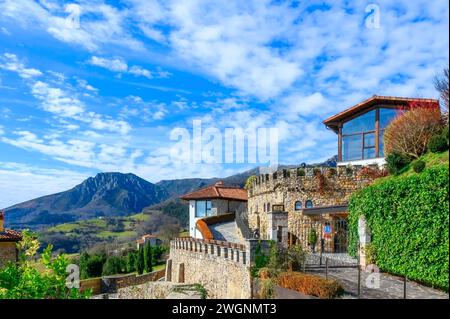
(409, 220)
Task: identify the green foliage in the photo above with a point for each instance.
(148, 257)
(418, 166)
(140, 263)
(23, 281)
(91, 266)
(439, 142)
(396, 163)
(371, 254)
(267, 288)
(114, 265)
(312, 237)
(131, 261)
(409, 220)
(261, 260)
(296, 257)
(249, 182)
(300, 172)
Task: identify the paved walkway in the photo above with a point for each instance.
(225, 231)
(390, 287)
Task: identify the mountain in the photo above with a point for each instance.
(106, 194)
(117, 194)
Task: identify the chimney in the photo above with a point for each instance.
(2, 222)
(219, 183)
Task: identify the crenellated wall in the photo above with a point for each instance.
(222, 268)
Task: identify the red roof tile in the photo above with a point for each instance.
(218, 191)
(10, 235)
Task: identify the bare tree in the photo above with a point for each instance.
(442, 85)
(410, 133)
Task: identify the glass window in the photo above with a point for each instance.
(362, 123)
(387, 115)
(369, 153)
(309, 204)
(380, 144)
(351, 147)
(369, 140)
(202, 208)
(298, 205)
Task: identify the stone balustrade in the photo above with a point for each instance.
(214, 248)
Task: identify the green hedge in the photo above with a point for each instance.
(409, 220)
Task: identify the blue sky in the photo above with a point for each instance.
(104, 95)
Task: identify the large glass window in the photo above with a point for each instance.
(387, 115)
(360, 124)
(351, 147)
(202, 208)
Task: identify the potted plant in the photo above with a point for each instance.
(312, 239)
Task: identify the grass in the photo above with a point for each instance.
(159, 267)
(99, 227)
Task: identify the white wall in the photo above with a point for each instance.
(379, 161)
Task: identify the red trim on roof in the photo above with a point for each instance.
(401, 101)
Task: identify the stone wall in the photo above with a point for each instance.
(323, 186)
(153, 290)
(222, 268)
(8, 252)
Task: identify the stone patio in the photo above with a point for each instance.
(390, 287)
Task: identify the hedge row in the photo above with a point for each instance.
(409, 220)
(311, 285)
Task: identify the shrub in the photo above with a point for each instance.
(114, 265)
(261, 261)
(249, 182)
(22, 280)
(396, 162)
(371, 254)
(409, 133)
(300, 172)
(409, 220)
(331, 172)
(310, 284)
(349, 170)
(438, 143)
(372, 172)
(312, 237)
(418, 166)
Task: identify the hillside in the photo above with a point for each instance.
(106, 194)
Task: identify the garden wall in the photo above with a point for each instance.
(409, 220)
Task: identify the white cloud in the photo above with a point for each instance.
(2, 131)
(10, 62)
(139, 71)
(115, 65)
(20, 182)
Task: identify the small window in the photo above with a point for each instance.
(298, 205)
(268, 207)
(309, 204)
(202, 208)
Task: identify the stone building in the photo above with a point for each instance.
(216, 203)
(148, 238)
(315, 198)
(8, 240)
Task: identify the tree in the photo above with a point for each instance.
(131, 261)
(148, 257)
(24, 281)
(441, 84)
(114, 265)
(409, 133)
(91, 266)
(140, 264)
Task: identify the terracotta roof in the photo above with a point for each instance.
(333, 121)
(10, 235)
(218, 190)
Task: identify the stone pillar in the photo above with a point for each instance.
(364, 239)
(181, 273)
(169, 270)
(278, 227)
